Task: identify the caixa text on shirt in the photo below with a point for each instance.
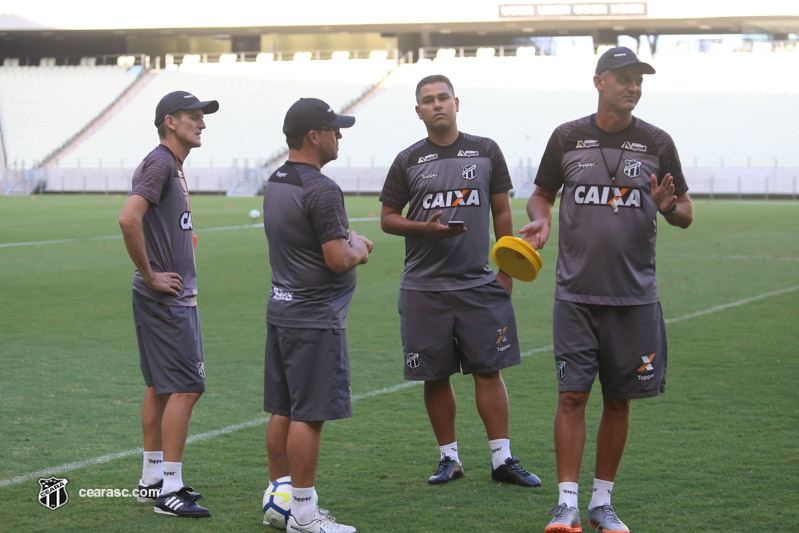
(604, 195)
(451, 198)
(185, 221)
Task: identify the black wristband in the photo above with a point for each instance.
(670, 211)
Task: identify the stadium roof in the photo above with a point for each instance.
(311, 16)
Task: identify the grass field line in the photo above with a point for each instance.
(68, 467)
(739, 303)
(219, 228)
(737, 256)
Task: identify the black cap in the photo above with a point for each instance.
(308, 114)
(177, 100)
(621, 56)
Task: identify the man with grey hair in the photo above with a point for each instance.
(617, 173)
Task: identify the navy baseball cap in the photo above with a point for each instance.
(308, 114)
(177, 100)
(621, 56)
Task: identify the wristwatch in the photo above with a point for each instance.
(671, 211)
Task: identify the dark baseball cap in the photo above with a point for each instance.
(308, 114)
(177, 100)
(621, 56)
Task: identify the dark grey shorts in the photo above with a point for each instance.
(625, 345)
(469, 330)
(170, 346)
(307, 373)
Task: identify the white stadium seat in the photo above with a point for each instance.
(723, 120)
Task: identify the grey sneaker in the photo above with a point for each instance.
(566, 520)
(604, 518)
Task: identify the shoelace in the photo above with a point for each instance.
(190, 494)
(442, 465)
(559, 511)
(610, 516)
(515, 466)
(325, 514)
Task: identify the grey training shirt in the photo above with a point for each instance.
(608, 220)
(167, 225)
(459, 180)
(303, 209)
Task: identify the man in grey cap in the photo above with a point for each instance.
(617, 173)
(156, 224)
(313, 257)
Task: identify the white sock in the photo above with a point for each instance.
(302, 504)
(152, 470)
(567, 493)
(602, 491)
(173, 477)
(500, 450)
(451, 451)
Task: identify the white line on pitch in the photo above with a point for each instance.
(736, 256)
(739, 303)
(112, 237)
(68, 467)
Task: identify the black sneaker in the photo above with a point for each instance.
(448, 470)
(148, 493)
(180, 503)
(512, 472)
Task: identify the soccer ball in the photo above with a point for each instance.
(276, 502)
(255, 214)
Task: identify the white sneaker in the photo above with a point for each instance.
(322, 523)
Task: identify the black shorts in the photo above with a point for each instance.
(625, 345)
(469, 330)
(307, 373)
(170, 346)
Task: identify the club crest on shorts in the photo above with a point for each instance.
(53, 492)
(561, 370)
(200, 368)
(413, 359)
(632, 168)
(469, 172)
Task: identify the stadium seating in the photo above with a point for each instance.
(42, 107)
(735, 123)
(729, 128)
(253, 99)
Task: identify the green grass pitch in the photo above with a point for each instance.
(718, 452)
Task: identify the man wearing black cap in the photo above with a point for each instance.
(617, 173)
(313, 256)
(157, 228)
